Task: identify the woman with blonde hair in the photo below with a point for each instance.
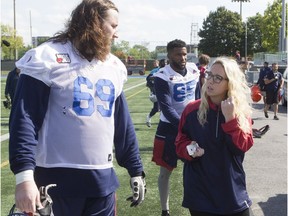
(214, 134)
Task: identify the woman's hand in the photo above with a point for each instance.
(227, 107)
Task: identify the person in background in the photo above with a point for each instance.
(175, 86)
(203, 62)
(238, 56)
(69, 111)
(214, 134)
(150, 85)
(274, 83)
(263, 73)
(11, 84)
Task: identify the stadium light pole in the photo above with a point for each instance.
(246, 40)
(283, 36)
(31, 29)
(241, 5)
(14, 34)
(245, 24)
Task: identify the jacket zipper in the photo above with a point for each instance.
(217, 123)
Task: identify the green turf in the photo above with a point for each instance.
(139, 106)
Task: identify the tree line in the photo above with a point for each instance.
(222, 33)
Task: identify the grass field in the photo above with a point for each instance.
(137, 96)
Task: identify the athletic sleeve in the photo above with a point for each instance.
(238, 139)
(260, 78)
(8, 83)
(182, 139)
(125, 141)
(26, 118)
(164, 99)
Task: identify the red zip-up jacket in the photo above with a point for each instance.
(215, 182)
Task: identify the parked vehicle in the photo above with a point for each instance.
(284, 96)
(135, 66)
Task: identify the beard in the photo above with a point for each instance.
(178, 66)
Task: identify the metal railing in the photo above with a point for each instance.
(280, 58)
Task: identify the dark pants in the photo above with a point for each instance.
(103, 206)
(243, 213)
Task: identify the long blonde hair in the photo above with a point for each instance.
(237, 89)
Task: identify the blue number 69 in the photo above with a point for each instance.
(105, 96)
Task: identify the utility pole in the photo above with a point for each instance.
(14, 34)
(31, 30)
(241, 5)
(245, 24)
(246, 41)
(283, 36)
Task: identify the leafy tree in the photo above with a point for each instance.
(221, 33)
(139, 52)
(120, 54)
(23, 50)
(7, 34)
(254, 35)
(153, 54)
(271, 24)
(121, 47)
(123, 50)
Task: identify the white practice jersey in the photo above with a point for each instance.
(182, 88)
(78, 128)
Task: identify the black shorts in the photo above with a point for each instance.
(272, 97)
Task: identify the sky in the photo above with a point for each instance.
(145, 22)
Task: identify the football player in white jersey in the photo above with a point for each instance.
(68, 113)
(175, 86)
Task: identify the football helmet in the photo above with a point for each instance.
(45, 200)
(255, 93)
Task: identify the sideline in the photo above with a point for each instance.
(6, 136)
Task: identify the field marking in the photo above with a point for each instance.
(135, 93)
(5, 163)
(132, 87)
(6, 136)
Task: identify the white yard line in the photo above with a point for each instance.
(132, 87)
(4, 137)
